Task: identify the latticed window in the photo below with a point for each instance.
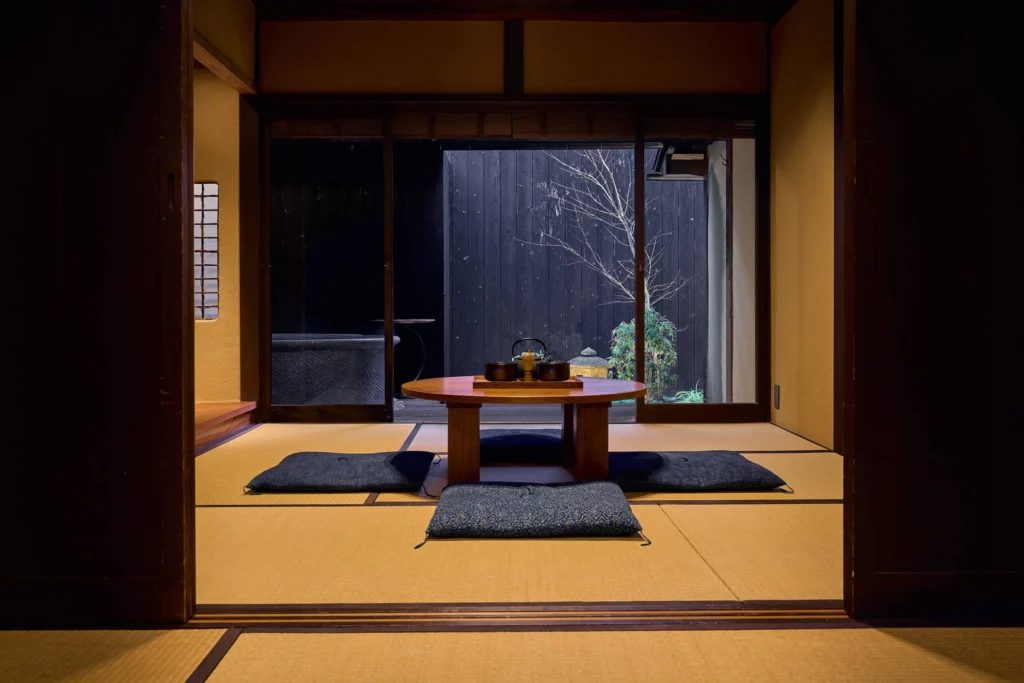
(207, 284)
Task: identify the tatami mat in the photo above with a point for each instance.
(812, 476)
(222, 473)
(365, 554)
(769, 552)
(103, 656)
(759, 436)
(835, 656)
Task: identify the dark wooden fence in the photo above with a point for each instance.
(502, 286)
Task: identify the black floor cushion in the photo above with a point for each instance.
(689, 471)
(517, 446)
(496, 510)
(337, 472)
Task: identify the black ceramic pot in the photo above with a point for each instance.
(553, 371)
(501, 371)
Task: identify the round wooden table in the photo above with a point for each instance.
(584, 419)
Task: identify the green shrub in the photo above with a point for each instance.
(659, 353)
(694, 395)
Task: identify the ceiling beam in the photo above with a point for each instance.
(207, 54)
(508, 10)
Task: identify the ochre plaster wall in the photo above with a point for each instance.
(216, 150)
(644, 57)
(802, 219)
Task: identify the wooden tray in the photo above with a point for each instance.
(479, 382)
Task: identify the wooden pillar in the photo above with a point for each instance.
(592, 441)
(463, 442)
(107, 189)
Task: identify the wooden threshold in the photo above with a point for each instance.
(527, 616)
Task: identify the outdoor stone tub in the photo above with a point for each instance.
(322, 369)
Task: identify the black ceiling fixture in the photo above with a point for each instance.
(685, 160)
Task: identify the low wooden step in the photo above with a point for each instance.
(216, 420)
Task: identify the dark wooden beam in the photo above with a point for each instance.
(839, 302)
(505, 10)
(249, 249)
(513, 58)
(285, 106)
(263, 411)
(389, 270)
(207, 54)
(639, 281)
(762, 267)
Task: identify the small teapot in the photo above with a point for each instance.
(529, 363)
(528, 359)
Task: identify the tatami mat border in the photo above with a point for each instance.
(412, 435)
(371, 500)
(756, 501)
(215, 656)
(817, 451)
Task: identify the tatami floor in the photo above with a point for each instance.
(302, 549)
(329, 587)
(836, 655)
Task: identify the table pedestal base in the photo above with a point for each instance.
(568, 436)
(463, 442)
(584, 441)
(591, 442)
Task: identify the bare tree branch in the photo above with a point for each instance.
(595, 204)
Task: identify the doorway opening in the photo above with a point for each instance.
(488, 244)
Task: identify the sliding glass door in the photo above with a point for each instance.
(700, 284)
(329, 356)
(639, 258)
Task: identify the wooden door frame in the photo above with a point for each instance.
(884, 448)
(839, 305)
(266, 410)
(149, 576)
(179, 516)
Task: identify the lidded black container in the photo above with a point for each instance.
(501, 371)
(552, 371)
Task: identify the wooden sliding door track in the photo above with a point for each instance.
(558, 616)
